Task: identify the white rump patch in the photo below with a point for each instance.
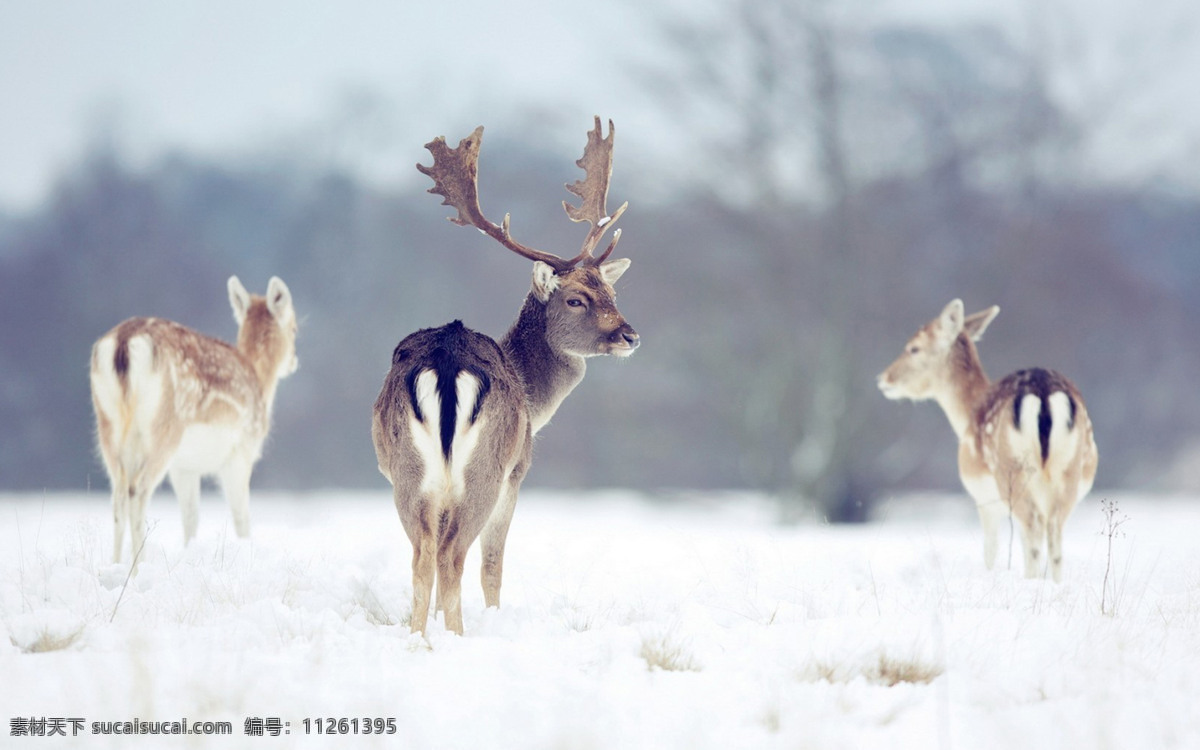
(134, 409)
(1060, 410)
(427, 398)
(1031, 407)
(427, 433)
(145, 390)
(1029, 444)
(105, 386)
(1063, 438)
(466, 389)
(466, 434)
(442, 477)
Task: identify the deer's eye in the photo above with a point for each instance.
(575, 302)
(914, 349)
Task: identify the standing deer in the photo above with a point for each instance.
(171, 401)
(454, 422)
(1025, 444)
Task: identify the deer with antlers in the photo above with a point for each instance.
(454, 422)
(173, 402)
(1025, 444)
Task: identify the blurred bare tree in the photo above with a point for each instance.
(806, 108)
(832, 180)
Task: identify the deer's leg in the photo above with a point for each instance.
(187, 490)
(120, 504)
(117, 482)
(992, 513)
(1018, 497)
(424, 561)
(1054, 547)
(138, 503)
(1063, 502)
(141, 488)
(1033, 535)
(988, 491)
(235, 481)
(447, 529)
(452, 553)
(495, 532)
(417, 516)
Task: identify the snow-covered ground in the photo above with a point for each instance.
(627, 622)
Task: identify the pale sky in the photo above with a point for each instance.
(223, 76)
(220, 75)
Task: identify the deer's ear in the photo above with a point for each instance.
(545, 281)
(279, 298)
(239, 299)
(613, 269)
(950, 322)
(976, 324)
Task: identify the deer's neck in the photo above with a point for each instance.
(265, 375)
(549, 374)
(966, 387)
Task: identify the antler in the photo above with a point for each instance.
(593, 193)
(455, 174)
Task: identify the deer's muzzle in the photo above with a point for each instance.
(624, 340)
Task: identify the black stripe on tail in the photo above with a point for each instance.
(446, 360)
(127, 330)
(121, 359)
(1043, 384)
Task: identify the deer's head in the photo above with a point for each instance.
(581, 312)
(930, 358)
(266, 328)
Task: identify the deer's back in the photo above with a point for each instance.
(1035, 418)
(163, 382)
(450, 397)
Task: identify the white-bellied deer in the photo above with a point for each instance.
(171, 401)
(1025, 445)
(454, 422)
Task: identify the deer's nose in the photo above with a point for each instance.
(626, 335)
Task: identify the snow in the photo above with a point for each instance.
(890, 634)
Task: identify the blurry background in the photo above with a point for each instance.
(809, 182)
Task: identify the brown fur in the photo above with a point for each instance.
(494, 469)
(219, 367)
(535, 365)
(1007, 466)
(464, 480)
(1005, 395)
(169, 400)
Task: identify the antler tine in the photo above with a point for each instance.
(611, 246)
(455, 173)
(593, 192)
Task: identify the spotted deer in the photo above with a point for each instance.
(454, 422)
(1025, 445)
(173, 402)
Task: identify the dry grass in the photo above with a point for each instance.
(47, 641)
(886, 670)
(890, 672)
(665, 652)
(373, 610)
